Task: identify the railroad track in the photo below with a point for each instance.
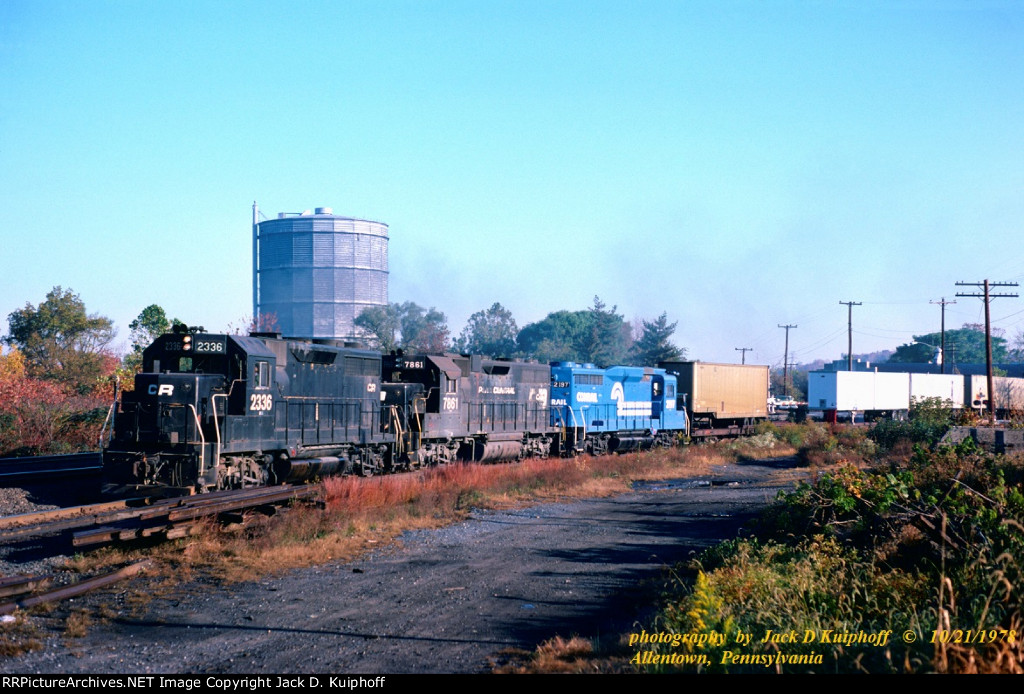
(120, 521)
(132, 519)
(44, 468)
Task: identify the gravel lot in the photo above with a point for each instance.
(444, 601)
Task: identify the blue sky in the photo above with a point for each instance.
(735, 164)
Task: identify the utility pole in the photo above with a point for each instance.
(849, 332)
(988, 332)
(744, 350)
(942, 348)
(785, 362)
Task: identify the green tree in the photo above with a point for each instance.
(555, 338)
(963, 346)
(423, 330)
(381, 324)
(61, 341)
(797, 386)
(491, 332)
(654, 345)
(150, 324)
(597, 335)
(609, 338)
(407, 326)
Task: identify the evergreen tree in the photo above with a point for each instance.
(608, 340)
(654, 345)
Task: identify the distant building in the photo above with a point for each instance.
(314, 272)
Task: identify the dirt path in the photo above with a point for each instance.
(445, 601)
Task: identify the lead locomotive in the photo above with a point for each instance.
(227, 411)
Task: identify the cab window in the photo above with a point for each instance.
(261, 375)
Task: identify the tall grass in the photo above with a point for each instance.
(356, 514)
(932, 551)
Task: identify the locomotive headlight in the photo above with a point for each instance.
(186, 343)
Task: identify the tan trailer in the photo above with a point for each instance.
(722, 395)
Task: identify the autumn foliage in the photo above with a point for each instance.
(40, 416)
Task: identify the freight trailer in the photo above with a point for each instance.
(949, 388)
(721, 399)
(1009, 394)
(873, 393)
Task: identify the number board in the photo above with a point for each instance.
(209, 344)
(200, 344)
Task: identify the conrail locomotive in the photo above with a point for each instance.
(215, 411)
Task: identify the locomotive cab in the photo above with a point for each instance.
(200, 398)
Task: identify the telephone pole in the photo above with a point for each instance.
(785, 362)
(744, 350)
(942, 347)
(988, 332)
(849, 332)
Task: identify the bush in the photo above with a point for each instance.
(928, 422)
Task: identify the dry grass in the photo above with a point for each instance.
(355, 515)
(19, 637)
(77, 624)
(358, 514)
(558, 655)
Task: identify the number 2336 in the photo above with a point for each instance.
(261, 402)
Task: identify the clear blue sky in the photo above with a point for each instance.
(735, 164)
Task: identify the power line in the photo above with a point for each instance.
(988, 296)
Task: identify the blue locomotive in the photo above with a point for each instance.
(615, 410)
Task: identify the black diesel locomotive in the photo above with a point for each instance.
(225, 411)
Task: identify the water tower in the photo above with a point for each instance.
(314, 272)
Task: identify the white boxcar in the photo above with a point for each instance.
(946, 387)
(858, 391)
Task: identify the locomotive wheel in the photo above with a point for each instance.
(242, 472)
(371, 463)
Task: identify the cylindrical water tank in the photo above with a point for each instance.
(315, 273)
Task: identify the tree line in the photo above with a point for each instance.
(597, 335)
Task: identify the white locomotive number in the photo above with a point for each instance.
(451, 404)
(209, 346)
(261, 402)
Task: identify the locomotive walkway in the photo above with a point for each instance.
(446, 601)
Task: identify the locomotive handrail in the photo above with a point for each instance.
(110, 412)
(216, 424)
(399, 442)
(202, 440)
